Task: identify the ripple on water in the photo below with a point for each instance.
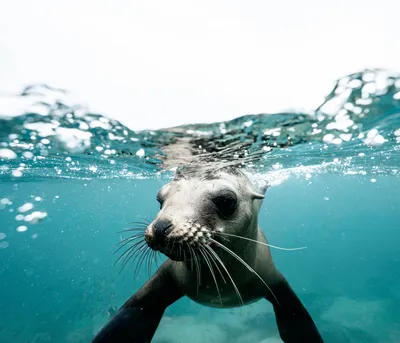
(357, 121)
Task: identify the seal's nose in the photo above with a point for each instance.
(161, 229)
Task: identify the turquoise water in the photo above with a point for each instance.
(70, 180)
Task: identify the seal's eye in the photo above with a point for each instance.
(226, 202)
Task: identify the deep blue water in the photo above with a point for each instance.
(340, 199)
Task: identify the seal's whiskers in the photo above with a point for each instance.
(245, 264)
(142, 254)
(215, 263)
(132, 229)
(197, 264)
(137, 250)
(145, 223)
(201, 249)
(125, 241)
(129, 250)
(258, 242)
(149, 262)
(227, 272)
(133, 253)
(191, 256)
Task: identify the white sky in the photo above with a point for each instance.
(154, 64)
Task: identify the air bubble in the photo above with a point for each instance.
(26, 207)
(16, 173)
(7, 154)
(4, 245)
(22, 228)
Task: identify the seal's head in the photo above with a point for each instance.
(197, 206)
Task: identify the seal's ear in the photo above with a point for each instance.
(257, 196)
(261, 187)
(259, 184)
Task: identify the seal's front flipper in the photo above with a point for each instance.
(137, 320)
(131, 324)
(295, 324)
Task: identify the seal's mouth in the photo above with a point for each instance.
(190, 242)
(181, 243)
(188, 254)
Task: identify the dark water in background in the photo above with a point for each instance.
(335, 189)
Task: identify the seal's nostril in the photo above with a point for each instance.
(161, 229)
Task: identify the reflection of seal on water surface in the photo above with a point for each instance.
(208, 227)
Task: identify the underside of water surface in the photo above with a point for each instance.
(70, 180)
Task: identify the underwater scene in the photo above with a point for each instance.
(71, 182)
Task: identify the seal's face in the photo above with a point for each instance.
(194, 213)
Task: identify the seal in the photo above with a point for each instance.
(218, 256)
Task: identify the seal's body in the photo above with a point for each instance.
(208, 227)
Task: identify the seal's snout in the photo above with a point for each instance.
(161, 229)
